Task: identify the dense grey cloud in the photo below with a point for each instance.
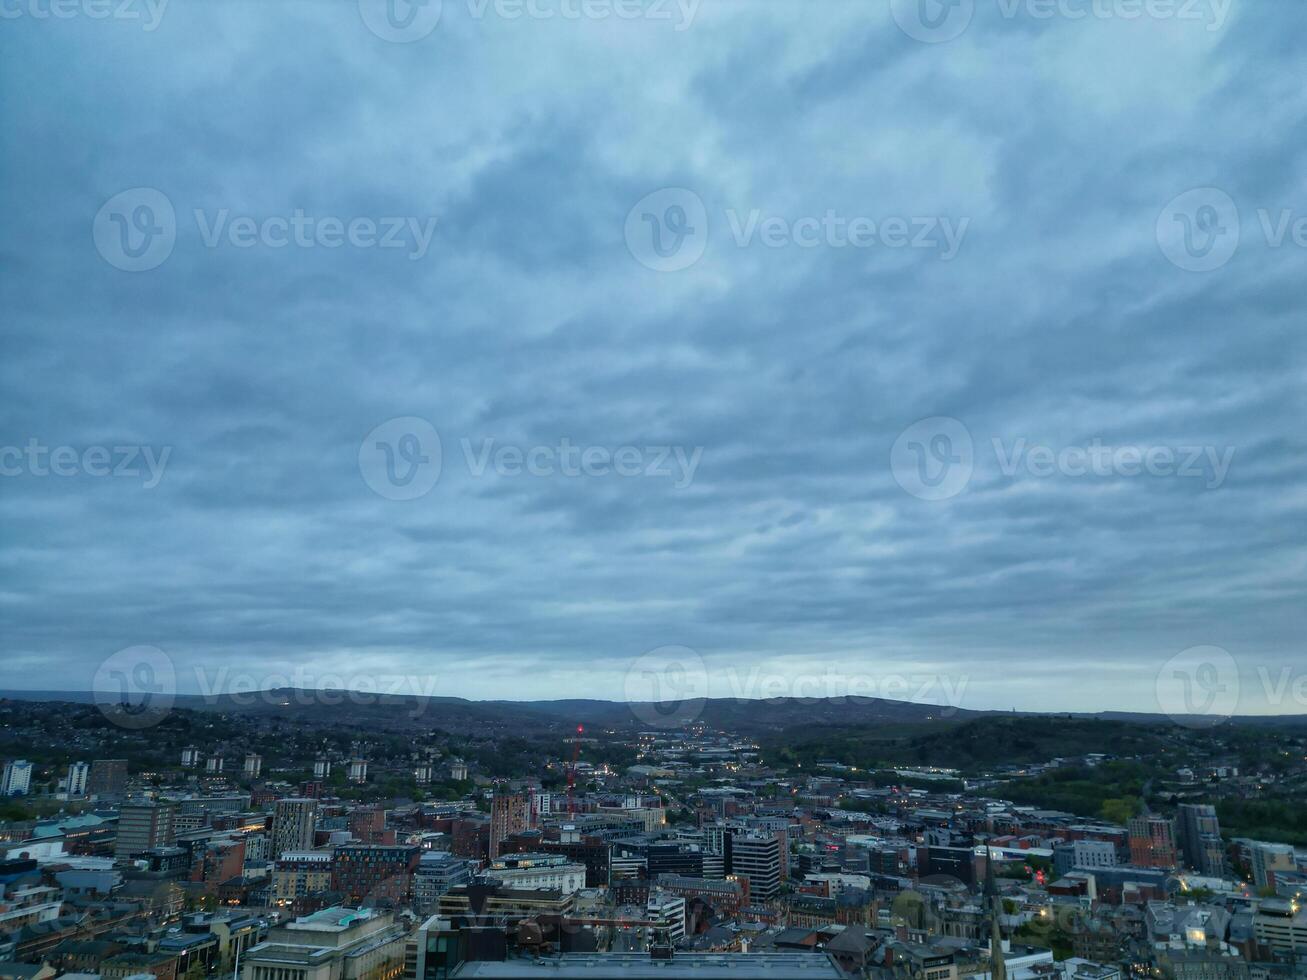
(1048, 146)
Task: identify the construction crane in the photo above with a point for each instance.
(571, 771)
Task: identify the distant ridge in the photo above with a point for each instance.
(407, 712)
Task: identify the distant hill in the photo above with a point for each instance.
(410, 713)
(403, 713)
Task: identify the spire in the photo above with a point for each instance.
(997, 968)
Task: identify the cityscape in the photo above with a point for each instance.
(653, 490)
(213, 840)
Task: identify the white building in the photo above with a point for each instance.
(537, 871)
(16, 779)
(77, 773)
(667, 912)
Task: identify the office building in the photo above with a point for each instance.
(143, 827)
(758, 858)
(437, 872)
(16, 779)
(107, 778)
(293, 822)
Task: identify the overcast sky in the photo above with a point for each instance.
(833, 342)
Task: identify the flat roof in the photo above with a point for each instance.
(589, 966)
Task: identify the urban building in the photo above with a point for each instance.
(551, 871)
(332, 944)
(1268, 859)
(107, 778)
(293, 823)
(757, 857)
(1200, 838)
(143, 827)
(374, 871)
(16, 779)
(508, 815)
(78, 774)
(297, 874)
(1152, 841)
(437, 872)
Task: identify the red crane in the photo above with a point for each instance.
(571, 770)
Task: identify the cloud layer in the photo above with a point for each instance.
(529, 320)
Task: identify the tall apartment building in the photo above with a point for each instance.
(509, 814)
(1200, 838)
(142, 826)
(758, 858)
(253, 765)
(16, 780)
(1152, 842)
(107, 778)
(293, 821)
(78, 773)
(1267, 859)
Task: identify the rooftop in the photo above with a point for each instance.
(640, 966)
